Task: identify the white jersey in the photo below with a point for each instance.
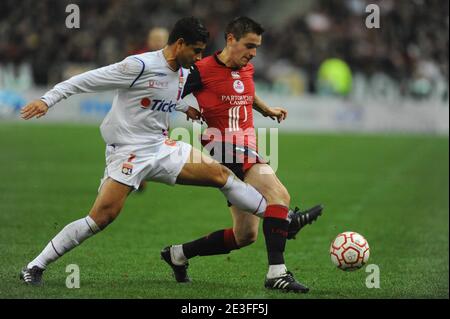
(147, 92)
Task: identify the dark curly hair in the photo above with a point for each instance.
(190, 29)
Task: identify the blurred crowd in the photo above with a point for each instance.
(409, 51)
(410, 48)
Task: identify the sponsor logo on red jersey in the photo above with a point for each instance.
(237, 99)
(235, 75)
(238, 86)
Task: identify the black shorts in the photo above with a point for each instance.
(238, 159)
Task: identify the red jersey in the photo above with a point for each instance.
(225, 97)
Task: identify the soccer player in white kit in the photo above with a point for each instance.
(148, 88)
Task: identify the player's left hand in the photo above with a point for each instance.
(276, 113)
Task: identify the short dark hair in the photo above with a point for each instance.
(190, 29)
(240, 26)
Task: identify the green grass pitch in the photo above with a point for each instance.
(392, 189)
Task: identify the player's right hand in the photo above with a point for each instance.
(193, 114)
(36, 109)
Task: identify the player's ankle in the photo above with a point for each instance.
(37, 264)
(177, 255)
(276, 271)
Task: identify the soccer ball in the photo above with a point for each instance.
(349, 251)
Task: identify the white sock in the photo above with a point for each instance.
(276, 271)
(244, 196)
(69, 237)
(177, 255)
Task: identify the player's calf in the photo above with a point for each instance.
(245, 227)
(245, 239)
(277, 196)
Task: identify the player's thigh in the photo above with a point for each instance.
(264, 179)
(245, 226)
(109, 202)
(202, 170)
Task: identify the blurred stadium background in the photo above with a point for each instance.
(367, 134)
(318, 58)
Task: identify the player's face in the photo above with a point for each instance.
(244, 50)
(190, 53)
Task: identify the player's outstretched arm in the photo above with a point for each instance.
(36, 109)
(120, 75)
(275, 113)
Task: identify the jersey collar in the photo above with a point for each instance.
(220, 62)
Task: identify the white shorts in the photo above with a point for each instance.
(132, 164)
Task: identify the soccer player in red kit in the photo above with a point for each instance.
(224, 88)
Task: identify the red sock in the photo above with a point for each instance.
(276, 211)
